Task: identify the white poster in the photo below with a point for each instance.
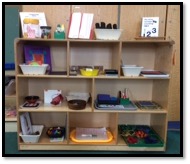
(150, 27)
(32, 27)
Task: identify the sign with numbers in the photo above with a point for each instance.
(150, 27)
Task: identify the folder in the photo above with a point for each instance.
(86, 25)
(81, 25)
(75, 23)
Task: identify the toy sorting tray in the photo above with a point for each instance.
(140, 136)
(128, 107)
(73, 138)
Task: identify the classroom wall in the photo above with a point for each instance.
(129, 19)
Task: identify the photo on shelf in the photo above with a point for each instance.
(53, 97)
(39, 54)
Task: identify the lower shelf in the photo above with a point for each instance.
(45, 144)
(87, 147)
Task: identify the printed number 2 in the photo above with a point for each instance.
(149, 33)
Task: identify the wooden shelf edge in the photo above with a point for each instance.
(87, 147)
(10, 96)
(10, 119)
(93, 77)
(10, 73)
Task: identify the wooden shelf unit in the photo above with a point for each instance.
(151, 54)
(10, 100)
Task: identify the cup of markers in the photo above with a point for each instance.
(124, 99)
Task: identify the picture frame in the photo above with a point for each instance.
(38, 53)
(40, 16)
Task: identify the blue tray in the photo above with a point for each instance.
(129, 107)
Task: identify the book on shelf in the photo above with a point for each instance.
(39, 54)
(86, 26)
(31, 22)
(154, 73)
(80, 25)
(26, 125)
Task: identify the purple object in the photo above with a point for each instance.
(37, 53)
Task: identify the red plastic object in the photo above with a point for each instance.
(56, 100)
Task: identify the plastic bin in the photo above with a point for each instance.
(33, 69)
(94, 72)
(9, 66)
(108, 34)
(32, 138)
(131, 71)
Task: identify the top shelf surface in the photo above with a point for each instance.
(160, 42)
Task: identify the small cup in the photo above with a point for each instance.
(45, 32)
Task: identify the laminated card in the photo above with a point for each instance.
(150, 27)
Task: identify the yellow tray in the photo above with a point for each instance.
(73, 135)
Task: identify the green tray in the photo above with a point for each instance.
(152, 139)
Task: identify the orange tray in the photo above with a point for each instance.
(73, 135)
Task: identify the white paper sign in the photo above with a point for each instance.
(33, 15)
(150, 27)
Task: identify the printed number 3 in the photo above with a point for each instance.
(153, 30)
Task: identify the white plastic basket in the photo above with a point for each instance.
(33, 69)
(108, 34)
(32, 138)
(131, 71)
